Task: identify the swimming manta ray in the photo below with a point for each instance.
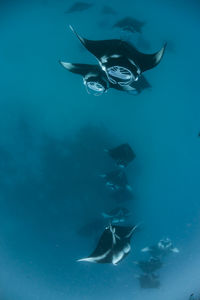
(78, 7)
(113, 245)
(117, 215)
(121, 61)
(96, 81)
(130, 24)
(123, 155)
(149, 266)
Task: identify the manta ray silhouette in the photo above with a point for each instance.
(121, 61)
(79, 7)
(113, 245)
(123, 155)
(130, 24)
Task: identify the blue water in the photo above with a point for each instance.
(51, 152)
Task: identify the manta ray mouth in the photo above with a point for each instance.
(120, 75)
(95, 88)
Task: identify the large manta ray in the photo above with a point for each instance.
(96, 80)
(121, 61)
(113, 245)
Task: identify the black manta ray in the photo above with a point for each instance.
(97, 83)
(79, 6)
(123, 155)
(113, 245)
(150, 266)
(130, 24)
(163, 248)
(121, 61)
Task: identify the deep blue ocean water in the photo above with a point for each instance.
(51, 151)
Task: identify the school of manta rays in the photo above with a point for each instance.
(120, 66)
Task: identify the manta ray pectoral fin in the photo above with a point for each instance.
(132, 230)
(95, 259)
(149, 61)
(97, 48)
(88, 259)
(81, 69)
(66, 65)
(82, 40)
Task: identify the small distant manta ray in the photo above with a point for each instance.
(97, 83)
(117, 180)
(79, 6)
(149, 266)
(163, 248)
(117, 215)
(130, 24)
(123, 155)
(108, 10)
(113, 246)
(121, 61)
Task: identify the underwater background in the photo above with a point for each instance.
(51, 151)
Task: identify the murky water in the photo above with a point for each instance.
(53, 136)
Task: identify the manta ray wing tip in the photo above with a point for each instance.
(71, 27)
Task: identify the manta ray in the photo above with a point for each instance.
(113, 246)
(120, 60)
